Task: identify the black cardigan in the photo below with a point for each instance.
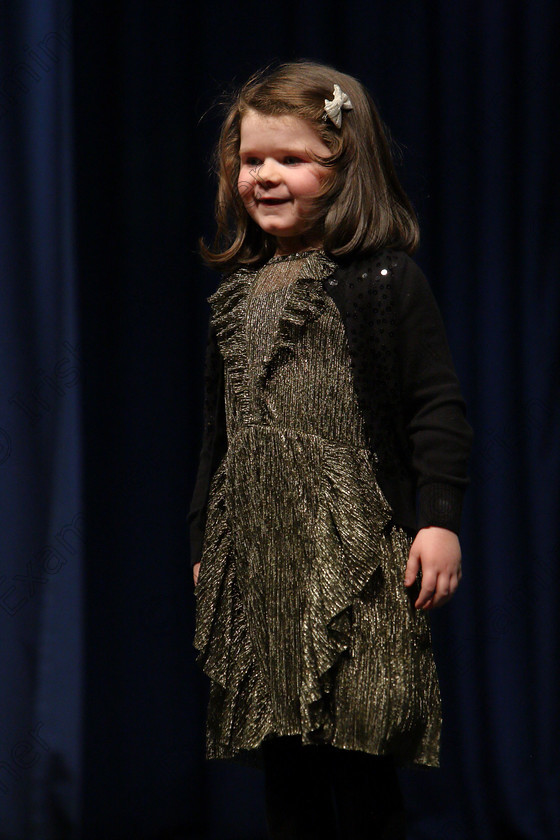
(406, 385)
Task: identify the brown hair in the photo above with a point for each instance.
(362, 207)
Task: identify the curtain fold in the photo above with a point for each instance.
(42, 524)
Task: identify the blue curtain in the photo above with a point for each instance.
(41, 513)
(106, 126)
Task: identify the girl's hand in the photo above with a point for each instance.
(195, 569)
(438, 552)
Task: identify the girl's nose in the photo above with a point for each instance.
(267, 173)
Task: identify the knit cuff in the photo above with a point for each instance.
(440, 505)
(196, 530)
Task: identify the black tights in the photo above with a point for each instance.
(320, 791)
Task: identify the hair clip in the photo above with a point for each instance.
(333, 107)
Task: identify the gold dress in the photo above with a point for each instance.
(303, 623)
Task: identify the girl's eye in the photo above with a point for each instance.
(252, 161)
(291, 159)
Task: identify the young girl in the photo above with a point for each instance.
(327, 505)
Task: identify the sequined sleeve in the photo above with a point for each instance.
(434, 409)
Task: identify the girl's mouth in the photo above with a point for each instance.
(271, 202)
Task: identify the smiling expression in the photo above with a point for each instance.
(277, 178)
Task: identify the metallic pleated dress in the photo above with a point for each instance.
(303, 623)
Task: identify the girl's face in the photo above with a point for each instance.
(278, 180)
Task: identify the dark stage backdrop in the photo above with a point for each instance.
(106, 126)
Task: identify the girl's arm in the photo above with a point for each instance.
(439, 437)
(213, 447)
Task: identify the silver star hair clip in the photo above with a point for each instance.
(333, 107)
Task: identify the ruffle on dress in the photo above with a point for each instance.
(225, 651)
(351, 520)
(228, 305)
(305, 303)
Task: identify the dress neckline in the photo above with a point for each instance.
(299, 255)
